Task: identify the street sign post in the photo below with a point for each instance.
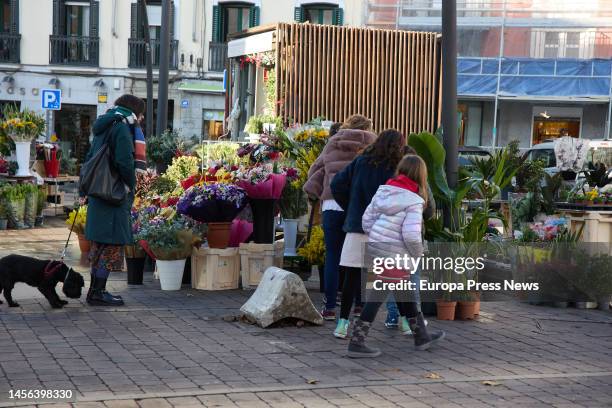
(51, 99)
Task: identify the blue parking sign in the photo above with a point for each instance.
(51, 99)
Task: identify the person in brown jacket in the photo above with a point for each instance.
(354, 135)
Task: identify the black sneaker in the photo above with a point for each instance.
(362, 351)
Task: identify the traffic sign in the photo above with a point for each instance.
(51, 99)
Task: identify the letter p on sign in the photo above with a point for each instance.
(51, 99)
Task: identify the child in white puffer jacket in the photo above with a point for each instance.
(393, 222)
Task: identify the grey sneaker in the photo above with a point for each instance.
(361, 351)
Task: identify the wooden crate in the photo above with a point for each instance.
(256, 258)
(215, 269)
(596, 225)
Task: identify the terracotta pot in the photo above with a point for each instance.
(476, 298)
(446, 310)
(219, 234)
(466, 310)
(84, 244)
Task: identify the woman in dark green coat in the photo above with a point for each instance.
(109, 226)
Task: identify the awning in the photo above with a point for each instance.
(250, 45)
(201, 87)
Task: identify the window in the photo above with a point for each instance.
(5, 16)
(230, 18)
(328, 14)
(212, 124)
(572, 45)
(77, 19)
(563, 44)
(551, 45)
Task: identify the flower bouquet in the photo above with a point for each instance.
(22, 127)
(79, 226)
(215, 202)
(264, 187)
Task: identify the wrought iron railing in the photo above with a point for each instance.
(137, 50)
(74, 50)
(9, 47)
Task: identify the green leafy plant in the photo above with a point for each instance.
(161, 149)
(182, 167)
(293, 203)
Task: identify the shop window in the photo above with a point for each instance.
(212, 124)
(470, 123)
(553, 128)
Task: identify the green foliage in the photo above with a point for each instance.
(223, 152)
(68, 165)
(182, 167)
(162, 185)
(530, 175)
(41, 199)
(162, 149)
(271, 92)
(293, 203)
(256, 122)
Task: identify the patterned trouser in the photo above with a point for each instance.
(105, 258)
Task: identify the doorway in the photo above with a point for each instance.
(72, 126)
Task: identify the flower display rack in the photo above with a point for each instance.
(215, 269)
(256, 258)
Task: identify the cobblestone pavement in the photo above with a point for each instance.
(174, 349)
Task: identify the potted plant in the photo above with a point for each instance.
(314, 252)
(168, 237)
(161, 149)
(590, 196)
(293, 205)
(13, 197)
(22, 127)
(254, 128)
(31, 204)
(216, 204)
(134, 254)
(41, 200)
(80, 214)
(3, 218)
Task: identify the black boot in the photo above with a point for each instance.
(100, 297)
(422, 339)
(92, 280)
(357, 347)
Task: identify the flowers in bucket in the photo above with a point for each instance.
(22, 126)
(215, 202)
(292, 202)
(166, 235)
(81, 219)
(314, 250)
(261, 181)
(548, 230)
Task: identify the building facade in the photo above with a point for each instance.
(530, 70)
(94, 51)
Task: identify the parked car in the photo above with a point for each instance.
(467, 153)
(600, 151)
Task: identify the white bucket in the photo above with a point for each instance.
(22, 151)
(170, 273)
(290, 233)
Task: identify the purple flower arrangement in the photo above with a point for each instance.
(215, 202)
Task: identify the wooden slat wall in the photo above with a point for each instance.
(392, 77)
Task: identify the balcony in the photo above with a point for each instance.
(74, 50)
(138, 54)
(9, 48)
(217, 57)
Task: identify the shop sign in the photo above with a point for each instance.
(102, 97)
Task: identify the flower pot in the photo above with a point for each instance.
(3, 224)
(446, 309)
(135, 270)
(170, 273)
(52, 168)
(466, 310)
(219, 234)
(38, 222)
(290, 234)
(263, 220)
(603, 303)
(476, 297)
(84, 244)
(22, 151)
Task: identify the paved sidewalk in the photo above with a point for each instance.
(174, 349)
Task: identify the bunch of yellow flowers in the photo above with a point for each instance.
(81, 219)
(314, 250)
(591, 195)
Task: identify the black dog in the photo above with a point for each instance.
(41, 274)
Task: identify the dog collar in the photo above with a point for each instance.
(51, 268)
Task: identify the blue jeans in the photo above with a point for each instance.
(334, 238)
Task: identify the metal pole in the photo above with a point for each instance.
(499, 63)
(449, 97)
(149, 64)
(164, 62)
